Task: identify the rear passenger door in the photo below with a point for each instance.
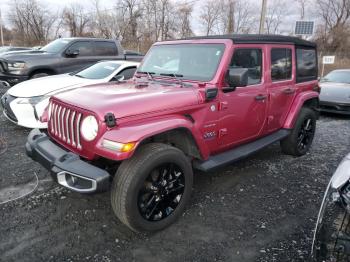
(281, 86)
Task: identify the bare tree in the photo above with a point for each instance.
(183, 14)
(209, 17)
(275, 13)
(334, 33)
(75, 19)
(31, 22)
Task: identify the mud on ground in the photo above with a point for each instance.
(261, 209)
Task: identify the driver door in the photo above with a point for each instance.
(84, 59)
(243, 110)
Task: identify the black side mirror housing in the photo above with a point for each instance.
(236, 77)
(211, 94)
(72, 52)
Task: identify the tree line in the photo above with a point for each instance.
(140, 23)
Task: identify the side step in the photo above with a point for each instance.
(240, 152)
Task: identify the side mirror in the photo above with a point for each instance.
(236, 77)
(72, 52)
(211, 94)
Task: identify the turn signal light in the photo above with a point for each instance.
(116, 146)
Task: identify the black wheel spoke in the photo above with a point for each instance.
(161, 192)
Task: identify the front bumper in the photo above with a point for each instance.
(12, 79)
(25, 115)
(66, 168)
(333, 107)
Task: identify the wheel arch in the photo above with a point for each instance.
(307, 99)
(180, 137)
(45, 70)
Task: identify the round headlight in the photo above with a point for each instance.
(89, 128)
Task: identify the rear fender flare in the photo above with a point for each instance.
(298, 103)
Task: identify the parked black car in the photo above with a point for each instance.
(335, 92)
(60, 56)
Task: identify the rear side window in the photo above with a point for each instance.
(250, 59)
(84, 47)
(281, 64)
(306, 64)
(105, 48)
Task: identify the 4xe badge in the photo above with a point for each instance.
(209, 135)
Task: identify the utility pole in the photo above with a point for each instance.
(262, 16)
(1, 31)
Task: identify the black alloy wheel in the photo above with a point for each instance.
(162, 192)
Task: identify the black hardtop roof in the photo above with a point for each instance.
(256, 38)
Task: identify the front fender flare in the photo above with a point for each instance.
(138, 132)
(298, 103)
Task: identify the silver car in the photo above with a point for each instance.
(335, 92)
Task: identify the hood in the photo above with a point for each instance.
(335, 92)
(127, 99)
(50, 84)
(23, 55)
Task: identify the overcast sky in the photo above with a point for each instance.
(287, 26)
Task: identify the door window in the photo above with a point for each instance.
(250, 59)
(281, 64)
(84, 48)
(127, 73)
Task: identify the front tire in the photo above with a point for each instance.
(150, 190)
(38, 75)
(300, 139)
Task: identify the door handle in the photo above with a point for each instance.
(260, 97)
(288, 91)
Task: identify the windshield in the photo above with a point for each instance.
(337, 77)
(98, 71)
(55, 46)
(185, 61)
(4, 49)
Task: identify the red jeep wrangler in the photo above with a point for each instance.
(199, 103)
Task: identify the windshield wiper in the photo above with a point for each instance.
(176, 76)
(149, 74)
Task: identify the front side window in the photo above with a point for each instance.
(127, 73)
(84, 48)
(281, 64)
(185, 61)
(98, 71)
(250, 59)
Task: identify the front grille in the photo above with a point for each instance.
(64, 124)
(5, 102)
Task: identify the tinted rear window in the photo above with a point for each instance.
(306, 64)
(105, 49)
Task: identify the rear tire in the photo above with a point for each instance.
(298, 142)
(150, 190)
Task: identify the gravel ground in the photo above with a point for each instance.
(261, 209)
